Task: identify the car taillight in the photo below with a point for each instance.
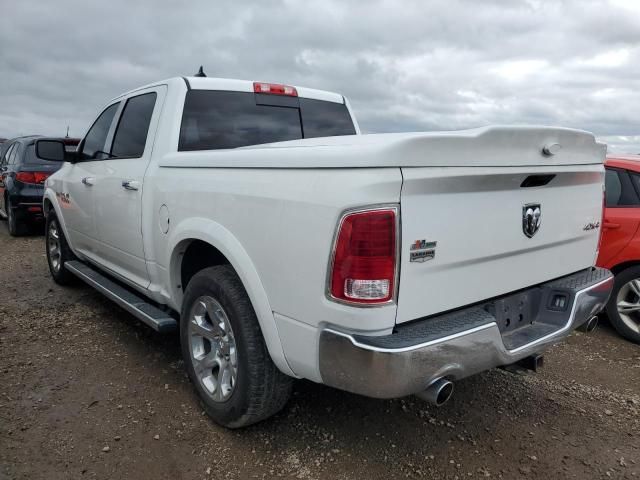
(32, 177)
(363, 268)
(274, 89)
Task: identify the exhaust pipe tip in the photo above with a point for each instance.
(590, 325)
(438, 393)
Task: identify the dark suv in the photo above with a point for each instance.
(22, 176)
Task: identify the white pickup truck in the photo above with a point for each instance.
(256, 219)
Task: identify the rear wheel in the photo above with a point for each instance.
(58, 251)
(3, 213)
(224, 351)
(16, 227)
(623, 308)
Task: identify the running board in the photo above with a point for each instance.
(144, 311)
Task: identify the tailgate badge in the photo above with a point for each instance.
(591, 226)
(421, 251)
(531, 218)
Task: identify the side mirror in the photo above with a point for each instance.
(52, 150)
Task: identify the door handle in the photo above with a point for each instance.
(130, 184)
(89, 181)
(610, 226)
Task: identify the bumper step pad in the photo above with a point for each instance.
(522, 317)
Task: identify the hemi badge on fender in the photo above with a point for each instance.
(421, 251)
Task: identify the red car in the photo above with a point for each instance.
(620, 245)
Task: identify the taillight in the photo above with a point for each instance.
(363, 267)
(274, 89)
(32, 177)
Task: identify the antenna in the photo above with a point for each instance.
(200, 73)
(67, 135)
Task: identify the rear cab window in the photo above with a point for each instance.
(213, 120)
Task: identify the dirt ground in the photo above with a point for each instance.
(87, 391)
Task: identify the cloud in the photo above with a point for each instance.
(411, 65)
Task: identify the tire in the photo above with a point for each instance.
(626, 289)
(227, 361)
(16, 228)
(58, 251)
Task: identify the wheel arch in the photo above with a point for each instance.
(220, 246)
(49, 203)
(620, 267)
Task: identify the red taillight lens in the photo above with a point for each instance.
(274, 89)
(40, 177)
(25, 177)
(364, 261)
(32, 177)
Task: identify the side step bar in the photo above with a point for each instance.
(144, 311)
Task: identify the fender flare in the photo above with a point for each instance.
(50, 196)
(219, 237)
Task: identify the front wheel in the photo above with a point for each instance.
(623, 308)
(58, 251)
(225, 353)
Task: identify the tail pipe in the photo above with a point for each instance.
(438, 393)
(590, 325)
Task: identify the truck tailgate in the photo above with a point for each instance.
(466, 238)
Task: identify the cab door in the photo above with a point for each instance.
(621, 214)
(119, 184)
(75, 189)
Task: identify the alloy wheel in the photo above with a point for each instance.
(53, 245)
(213, 348)
(628, 304)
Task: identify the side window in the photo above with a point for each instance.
(15, 154)
(131, 133)
(635, 179)
(5, 159)
(619, 192)
(93, 144)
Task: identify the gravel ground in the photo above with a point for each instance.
(89, 392)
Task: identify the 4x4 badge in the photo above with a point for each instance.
(421, 251)
(531, 218)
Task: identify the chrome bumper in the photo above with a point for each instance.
(389, 367)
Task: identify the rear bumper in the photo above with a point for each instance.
(28, 212)
(27, 205)
(459, 344)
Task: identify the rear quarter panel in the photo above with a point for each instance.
(285, 220)
(276, 228)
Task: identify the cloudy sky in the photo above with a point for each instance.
(406, 65)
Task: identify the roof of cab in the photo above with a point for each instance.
(629, 162)
(233, 85)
